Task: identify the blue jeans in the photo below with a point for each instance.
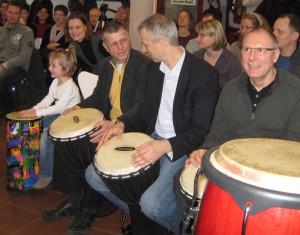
(158, 201)
(46, 148)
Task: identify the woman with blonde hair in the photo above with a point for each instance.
(212, 41)
(122, 16)
(250, 21)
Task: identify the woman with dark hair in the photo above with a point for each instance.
(54, 37)
(42, 21)
(35, 6)
(89, 48)
(185, 33)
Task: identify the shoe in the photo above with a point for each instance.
(127, 230)
(82, 222)
(42, 183)
(63, 210)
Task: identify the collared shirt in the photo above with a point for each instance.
(257, 96)
(164, 126)
(115, 90)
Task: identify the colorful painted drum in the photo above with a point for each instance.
(23, 151)
(254, 188)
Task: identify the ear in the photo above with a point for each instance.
(105, 46)
(163, 43)
(276, 55)
(295, 36)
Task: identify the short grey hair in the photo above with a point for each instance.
(158, 27)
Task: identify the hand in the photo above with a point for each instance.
(28, 113)
(69, 110)
(52, 46)
(2, 69)
(115, 130)
(104, 125)
(195, 158)
(150, 152)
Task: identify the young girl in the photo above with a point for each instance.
(64, 92)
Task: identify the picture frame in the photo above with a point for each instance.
(184, 2)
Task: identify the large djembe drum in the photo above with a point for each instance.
(70, 135)
(253, 188)
(23, 151)
(113, 164)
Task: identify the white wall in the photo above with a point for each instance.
(112, 5)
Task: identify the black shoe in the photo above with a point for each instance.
(82, 222)
(63, 210)
(127, 230)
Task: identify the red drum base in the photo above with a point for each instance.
(220, 215)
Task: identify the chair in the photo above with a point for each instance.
(87, 82)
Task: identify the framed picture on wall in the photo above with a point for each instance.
(184, 2)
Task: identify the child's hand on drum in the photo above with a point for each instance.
(150, 152)
(28, 113)
(195, 158)
(103, 125)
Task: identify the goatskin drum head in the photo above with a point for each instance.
(114, 158)
(16, 116)
(75, 123)
(187, 179)
(266, 163)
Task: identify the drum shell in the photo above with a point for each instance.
(131, 187)
(77, 152)
(225, 199)
(23, 151)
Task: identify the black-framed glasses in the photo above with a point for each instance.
(257, 50)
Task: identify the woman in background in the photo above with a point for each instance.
(185, 33)
(212, 39)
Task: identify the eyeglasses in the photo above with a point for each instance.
(58, 14)
(247, 27)
(120, 42)
(257, 50)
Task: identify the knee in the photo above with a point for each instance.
(148, 205)
(93, 178)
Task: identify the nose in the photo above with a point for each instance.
(252, 54)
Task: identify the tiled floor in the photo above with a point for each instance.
(21, 213)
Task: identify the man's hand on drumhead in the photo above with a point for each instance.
(103, 125)
(115, 130)
(150, 152)
(195, 158)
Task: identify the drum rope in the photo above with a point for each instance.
(245, 220)
(192, 212)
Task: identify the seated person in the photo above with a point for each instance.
(287, 31)
(15, 53)
(64, 94)
(95, 19)
(212, 41)
(180, 97)
(89, 47)
(3, 11)
(25, 14)
(185, 32)
(54, 37)
(122, 16)
(250, 21)
(41, 22)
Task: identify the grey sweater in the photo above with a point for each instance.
(16, 45)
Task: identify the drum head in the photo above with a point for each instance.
(265, 163)
(114, 158)
(75, 123)
(187, 179)
(16, 117)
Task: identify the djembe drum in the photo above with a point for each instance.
(187, 199)
(253, 188)
(23, 151)
(70, 134)
(113, 164)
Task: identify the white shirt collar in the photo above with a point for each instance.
(176, 70)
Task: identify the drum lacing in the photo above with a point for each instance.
(246, 214)
(192, 212)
